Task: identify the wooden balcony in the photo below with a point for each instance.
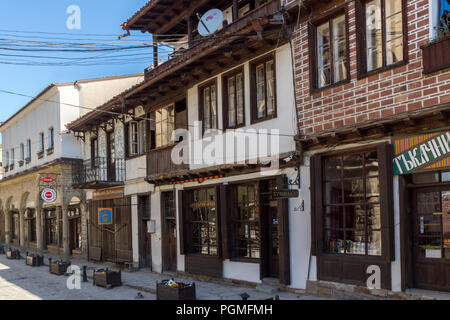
(159, 162)
(436, 55)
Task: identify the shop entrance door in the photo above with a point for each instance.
(431, 239)
(272, 242)
(109, 248)
(169, 231)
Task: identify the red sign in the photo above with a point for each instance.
(48, 179)
(109, 194)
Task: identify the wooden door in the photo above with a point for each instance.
(145, 244)
(431, 238)
(169, 229)
(273, 243)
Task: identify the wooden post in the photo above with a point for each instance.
(155, 51)
(65, 223)
(189, 25)
(235, 10)
(39, 233)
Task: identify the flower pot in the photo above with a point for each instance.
(107, 279)
(34, 260)
(164, 292)
(436, 55)
(12, 254)
(58, 268)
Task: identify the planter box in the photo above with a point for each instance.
(163, 292)
(12, 254)
(107, 279)
(33, 260)
(436, 55)
(58, 268)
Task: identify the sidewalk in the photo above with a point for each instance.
(19, 281)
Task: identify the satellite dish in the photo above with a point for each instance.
(210, 22)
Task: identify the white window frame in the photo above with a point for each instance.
(41, 142)
(28, 151)
(51, 138)
(136, 137)
(22, 152)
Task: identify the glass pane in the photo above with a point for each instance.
(240, 98)
(231, 102)
(355, 217)
(333, 192)
(429, 225)
(374, 243)
(394, 31)
(260, 91)
(334, 217)
(323, 55)
(334, 241)
(270, 76)
(339, 49)
(353, 166)
(206, 108)
(445, 176)
(424, 178)
(372, 164)
(355, 242)
(430, 247)
(333, 168)
(374, 35)
(353, 191)
(373, 190)
(373, 217)
(428, 203)
(213, 107)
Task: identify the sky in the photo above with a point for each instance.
(102, 17)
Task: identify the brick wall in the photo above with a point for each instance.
(391, 92)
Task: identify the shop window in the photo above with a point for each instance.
(246, 223)
(203, 222)
(234, 111)
(351, 200)
(383, 22)
(208, 106)
(30, 220)
(263, 89)
(330, 51)
(50, 227)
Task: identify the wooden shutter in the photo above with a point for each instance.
(360, 38)
(127, 140)
(225, 210)
(283, 238)
(385, 154)
(181, 219)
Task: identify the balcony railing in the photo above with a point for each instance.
(99, 173)
(160, 162)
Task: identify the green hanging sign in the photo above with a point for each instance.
(422, 153)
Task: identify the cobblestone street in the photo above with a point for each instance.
(21, 282)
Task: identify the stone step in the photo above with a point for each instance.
(275, 282)
(264, 288)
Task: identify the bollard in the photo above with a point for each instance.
(85, 274)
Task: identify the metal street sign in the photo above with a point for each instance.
(105, 216)
(284, 194)
(422, 153)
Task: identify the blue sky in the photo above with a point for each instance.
(97, 17)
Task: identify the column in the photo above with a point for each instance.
(66, 241)
(58, 229)
(84, 229)
(135, 229)
(22, 228)
(39, 231)
(7, 228)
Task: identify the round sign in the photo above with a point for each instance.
(210, 22)
(48, 195)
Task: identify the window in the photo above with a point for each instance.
(12, 160)
(137, 137)
(51, 138)
(50, 227)
(22, 154)
(246, 223)
(7, 159)
(263, 93)
(28, 157)
(234, 111)
(351, 199)
(208, 106)
(75, 225)
(41, 142)
(203, 222)
(384, 33)
(163, 125)
(331, 59)
(94, 152)
(15, 227)
(30, 220)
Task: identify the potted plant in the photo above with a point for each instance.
(58, 267)
(12, 254)
(34, 260)
(107, 279)
(172, 290)
(436, 53)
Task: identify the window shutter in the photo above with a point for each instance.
(360, 38)
(127, 140)
(385, 153)
(225, 219)
(181, 219)
(316, 205)
(283, 238)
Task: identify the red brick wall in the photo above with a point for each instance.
(394, 91)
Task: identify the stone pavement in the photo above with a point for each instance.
(21, 282)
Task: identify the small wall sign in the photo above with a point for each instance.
(284, 194)
(48, 180)
(48, 195)
(105, 216)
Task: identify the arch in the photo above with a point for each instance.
(24, 200)
(9, 203)
(75, 200)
